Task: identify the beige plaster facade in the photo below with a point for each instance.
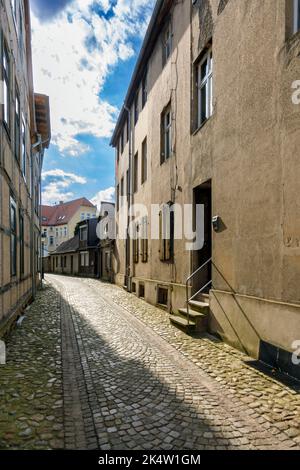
(23, 136)
(59, 232)
(243, 160)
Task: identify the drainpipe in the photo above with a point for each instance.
(130, 202)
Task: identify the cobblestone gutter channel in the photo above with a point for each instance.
(144, 394)
(93, 367)
(271, 403)
(31, 399)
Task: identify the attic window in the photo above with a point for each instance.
(83, 233)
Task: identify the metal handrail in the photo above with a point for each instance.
(188, 299)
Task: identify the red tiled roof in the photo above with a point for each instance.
(62, 213)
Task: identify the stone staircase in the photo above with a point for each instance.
(198, 316)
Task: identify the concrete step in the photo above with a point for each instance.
(182, 323)
(194, 314)
(202, 307)
(199, 318)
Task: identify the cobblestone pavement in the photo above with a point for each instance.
(31, 406)
(129, 380)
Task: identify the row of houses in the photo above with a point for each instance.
(89, 248)
(211, 119)
(24, 136)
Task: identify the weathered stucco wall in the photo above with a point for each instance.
(248, 149)
(16, 291)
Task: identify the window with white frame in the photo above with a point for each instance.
(23, 147)
(144, 161)
(166, 134)
(166, 233)
(205, 88)
(22, 251)
(84, 258)
(136, 108)
(83, 233)
(65, 231)
(296, 15)
(13, 237)
(17, 125)
(144, 90)
(14, 5)
(21, 30)
(167, 43)
(6, 86)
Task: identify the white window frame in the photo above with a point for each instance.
(167, 42)
(14, 7)
(84, 259)
(6, 74)
(17, 124)
(13, 237)
(207, 83)
(24, 153)
(144, 164)
(167, 134)
(296, 16)
(83, 227)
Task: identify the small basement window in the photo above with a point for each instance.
(162, 296)
(142, 290)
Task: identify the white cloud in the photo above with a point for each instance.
(54, 192)
(73, 74)
(56, 189)
(68, 177)
(106, 195)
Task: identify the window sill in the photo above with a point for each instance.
(202, 125)
(7, 131)
(166, 160)
(293, 42)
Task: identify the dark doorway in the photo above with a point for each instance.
(203, 195)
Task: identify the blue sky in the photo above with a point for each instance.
(84, 53)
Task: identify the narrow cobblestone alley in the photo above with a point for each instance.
(94, 367)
